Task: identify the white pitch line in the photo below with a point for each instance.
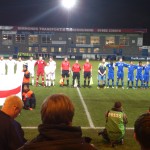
(128, 128)
(86, 109)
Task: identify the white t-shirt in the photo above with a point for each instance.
(10, 66)
(19, 65)
(52, 65)
(2, 67)
(31, 64)
(47, 70)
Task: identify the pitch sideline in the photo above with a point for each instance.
(86, 109)
(129, 128)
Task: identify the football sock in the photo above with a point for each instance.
(50, 83)
(84, 82)
(112, 82)
(108, 82)
(122, 83)
(32, 81)
(132, 83)
(88, 82)
(67, 82)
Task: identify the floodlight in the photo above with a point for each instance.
(68, 3)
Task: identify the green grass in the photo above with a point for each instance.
(135, 102)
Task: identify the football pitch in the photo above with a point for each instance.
(90, 107)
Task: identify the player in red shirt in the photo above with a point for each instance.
(87, 71)
(40, 70)
(65, 70)
(76, 73)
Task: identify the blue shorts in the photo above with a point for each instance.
(139, 77)
(146, 78)
(120, 75)
(130, 77)
(111, 76)
(102, 78)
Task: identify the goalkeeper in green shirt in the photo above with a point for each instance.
(116, 121)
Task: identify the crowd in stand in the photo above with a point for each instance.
(56, 131)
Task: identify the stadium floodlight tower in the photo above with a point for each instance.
(68, 5)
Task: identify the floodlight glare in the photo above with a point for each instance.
(68, 3)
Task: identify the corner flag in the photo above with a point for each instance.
(91, 81)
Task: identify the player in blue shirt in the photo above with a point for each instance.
(139, 75)
(146, 75)
(120, 72)
(110, 67)
(131, 67)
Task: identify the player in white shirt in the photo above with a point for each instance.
(2, 66)
(52, 65)
(10, 63)
(47, 75)
(31, 64)
(19, 65)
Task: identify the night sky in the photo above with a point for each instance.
(86, 13)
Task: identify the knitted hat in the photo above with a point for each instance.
(117, 105)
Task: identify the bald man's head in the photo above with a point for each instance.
(12, 106)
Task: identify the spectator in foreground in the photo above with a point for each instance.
(142, 131)
(116, 120)
(56, 131)
(11, 134)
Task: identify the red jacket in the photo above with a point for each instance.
(87, 67)
(76, 67)
(65, 65)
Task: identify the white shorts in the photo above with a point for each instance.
(47, 77)
(10, 72)
(52, 76)
(2, 72)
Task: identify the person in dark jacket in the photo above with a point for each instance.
(142, 131)
(56, 131)
(11, 134)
